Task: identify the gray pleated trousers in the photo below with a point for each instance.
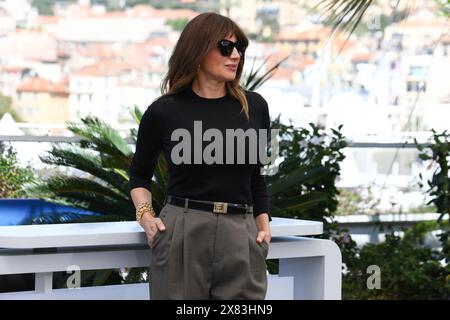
(206, 255)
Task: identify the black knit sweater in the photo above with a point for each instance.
(225, 181)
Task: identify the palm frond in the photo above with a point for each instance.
(296, 178)
(299, 203)
(136, 113)
(100, 136)
(86, 161)
(80, 192)
(253, 80)
(137, 116)
(343, 14)
(101, 205)
(64, 183)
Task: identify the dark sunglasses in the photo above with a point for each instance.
(226, 47)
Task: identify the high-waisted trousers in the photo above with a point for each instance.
(205, 255)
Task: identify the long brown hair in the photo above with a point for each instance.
(198, 37)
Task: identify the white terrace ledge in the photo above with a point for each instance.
(309, 268)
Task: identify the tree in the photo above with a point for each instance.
(44, 7)
(6, 107)
(177, 24)
(12, 176)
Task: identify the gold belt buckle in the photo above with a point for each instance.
(220, 207)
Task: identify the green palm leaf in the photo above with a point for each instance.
(64, 184)
(343, 14)
(281, 207)
(99, 136)
(253, 80)
(86, 161)
(93, 202)
(297, 177)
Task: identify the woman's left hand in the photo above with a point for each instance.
(263, 235)
(262, 225)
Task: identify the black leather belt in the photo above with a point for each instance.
(216, 207)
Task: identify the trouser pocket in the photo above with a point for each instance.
(162, 240)
(265, 247)
(162, 215)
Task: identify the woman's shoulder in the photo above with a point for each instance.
(256, 101)
(164, 99)
(161, 104)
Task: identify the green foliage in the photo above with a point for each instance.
(408, 268)
(12, 176)
(438, 153)
(304, 186)
(443, 7)
(177, 24)
(353, 202)
(343, 14)
(44, 7)
(348, 15)
(6, 107)
(89, 278)
(380, 24)
(254, 80)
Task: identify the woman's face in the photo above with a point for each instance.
(221, 68)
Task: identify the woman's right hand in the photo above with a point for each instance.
(151, 226)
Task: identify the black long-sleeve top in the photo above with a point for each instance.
(225, 182)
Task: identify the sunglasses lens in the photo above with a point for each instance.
(240, 48)
(226, 47)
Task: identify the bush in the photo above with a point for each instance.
(408, 268)
(12, 176)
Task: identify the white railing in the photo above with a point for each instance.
(309, 268)
(372, 228)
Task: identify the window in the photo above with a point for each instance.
(416, 86)
(418, 71)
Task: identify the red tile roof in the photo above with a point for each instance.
(12, 69)
(108, 68)
(47, 19)
(99, 51)
(162, 42)
(363, 57)
(40, 85)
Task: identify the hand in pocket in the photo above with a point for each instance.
(151, 227)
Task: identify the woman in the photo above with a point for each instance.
(211, 238)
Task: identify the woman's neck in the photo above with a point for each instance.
(209, 90)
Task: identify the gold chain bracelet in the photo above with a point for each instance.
(142, 208)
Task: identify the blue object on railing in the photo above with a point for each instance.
(23, 211)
